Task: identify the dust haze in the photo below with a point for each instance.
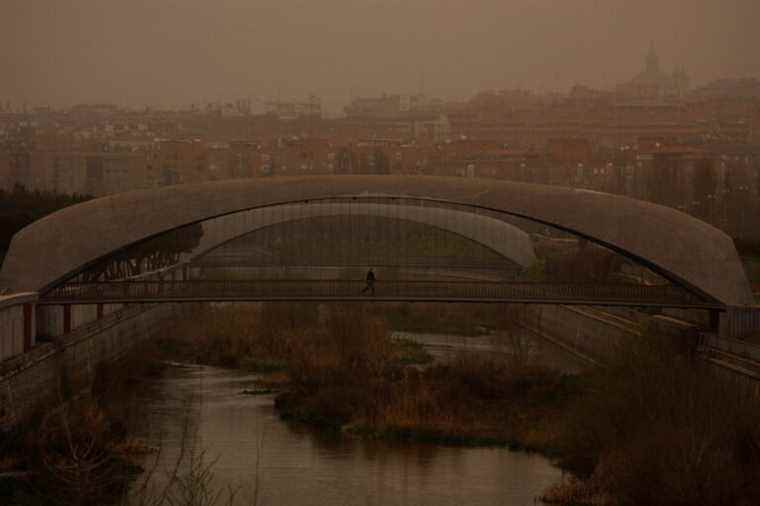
(170, 53)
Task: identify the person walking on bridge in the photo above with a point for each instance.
(370, 282)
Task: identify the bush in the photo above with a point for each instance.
(659, 427)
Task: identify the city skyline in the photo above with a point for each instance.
(167, 54)
(427, 252)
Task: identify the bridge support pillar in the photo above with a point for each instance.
(30, 333)
(67, 318)
(100, 311)
(715, 320)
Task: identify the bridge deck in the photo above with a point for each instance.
(387, 290)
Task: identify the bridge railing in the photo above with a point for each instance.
(263, 289)
(739, 322)
(743, 349)
(418, 262)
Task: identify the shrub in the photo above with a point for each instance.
(659, 427)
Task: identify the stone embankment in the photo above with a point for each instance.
(595, 334)
(68, 363)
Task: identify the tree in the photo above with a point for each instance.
(150, 255)
(21, 207)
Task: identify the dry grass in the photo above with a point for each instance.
(657, 427)
(351, 376)
(238, 336)
(343, 370)
(574, 492)
(661, 428)
(476, 400)
(78, 452)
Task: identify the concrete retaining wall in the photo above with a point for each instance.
(35, 378)
(11, 331)
(17, 330)
(50, 319)
(743, 349)
(591, 334)
(596, 334)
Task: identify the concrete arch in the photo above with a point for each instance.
(684, 249)
(504, 239)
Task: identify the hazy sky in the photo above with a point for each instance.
(180, 51)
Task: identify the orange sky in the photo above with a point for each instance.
(180, 51)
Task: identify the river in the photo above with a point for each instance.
(268, 461)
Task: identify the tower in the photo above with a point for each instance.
(652, 62)
(681, 81)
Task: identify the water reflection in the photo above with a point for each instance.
(296, 465)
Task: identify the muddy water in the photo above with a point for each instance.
(267, 461)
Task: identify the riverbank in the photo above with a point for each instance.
(342, 371)
(257, 453)
(467, 401)
(654, 427)
(79, 451)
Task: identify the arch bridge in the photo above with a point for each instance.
(426, 238)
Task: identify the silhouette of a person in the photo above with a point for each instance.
(370, 282)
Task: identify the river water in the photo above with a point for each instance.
(268, 461)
